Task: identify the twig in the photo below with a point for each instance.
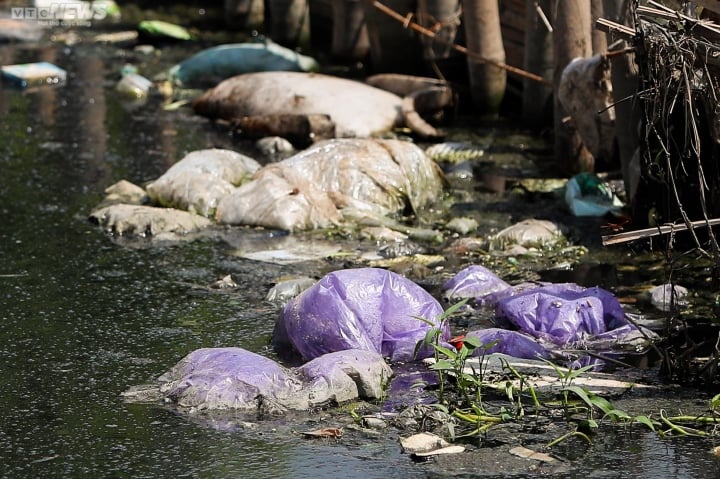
(407, 23)
(658, 230)
(544, 18)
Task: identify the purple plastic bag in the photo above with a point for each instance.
(363, 308)
(472, 282)
(562, 313)
(512, 343)
(226, 378)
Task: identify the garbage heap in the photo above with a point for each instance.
(678, 59)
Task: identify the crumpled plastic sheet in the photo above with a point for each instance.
(472, 282)
(362, 308)
(225, 378)
(512, 343)
(215, 379)
(562, 313)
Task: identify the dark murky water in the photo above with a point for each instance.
(82, 318)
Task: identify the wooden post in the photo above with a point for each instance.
(289, 22)
(349, 32)
(245, 14)
(484, 37)
(571, 39)
(627, 112)
(599, 39)
(443, 18)
(393, 48)
(537, 106)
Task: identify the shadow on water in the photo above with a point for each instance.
(84, 318)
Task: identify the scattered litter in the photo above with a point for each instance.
(289, 288)
(588, 195)
(428, 444)
(160, 29)
(668, 296)
(209, 67)
(526, 453)
(134, 85)
(462, 225)
(530, 232)
(117, 37)
(444, 450)
(333, 432)
(33, 74)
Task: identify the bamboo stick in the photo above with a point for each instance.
(658, 230)
(408, 23)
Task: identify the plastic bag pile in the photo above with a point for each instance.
(538, 320)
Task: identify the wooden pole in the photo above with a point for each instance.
(571, 39)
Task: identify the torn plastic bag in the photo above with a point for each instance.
(588, 195)
(309, 189)
(233, 378)
(209, 67)
(201, 179)
(472, 282)
(273, 201)
(346, 375)
(512, 343)
(363, 308)
(563, 314)
(225, 378)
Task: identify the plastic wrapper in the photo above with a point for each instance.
(563, 314)
(472, 282)
(358, 110)
(364, 308)
(529, 233)
(309, 189)
(588, 195)
(215, 64)
(201, 179)
(225, 378)
(512, 343)
(271, 201)
(212, 379)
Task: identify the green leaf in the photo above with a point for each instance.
(582, 393)
(472, 342)
(644, 420)
(442, 365)
(447, 352)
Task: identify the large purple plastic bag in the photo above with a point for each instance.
(472, 282)
(362, 308)
(563, 313)
(226, 378)
(512, 343)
